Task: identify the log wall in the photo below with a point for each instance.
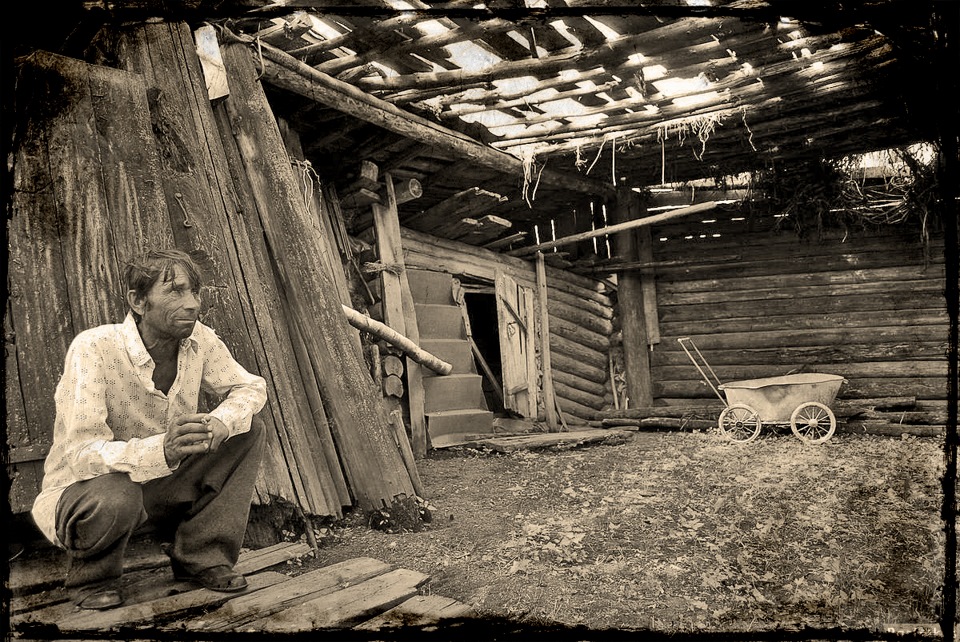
(579, 310)
(761, 299)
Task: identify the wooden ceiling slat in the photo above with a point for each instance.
(805, 89)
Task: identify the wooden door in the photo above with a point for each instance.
(515, 321)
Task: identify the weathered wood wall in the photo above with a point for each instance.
(760, 300)
(580, 315)
(110, 162)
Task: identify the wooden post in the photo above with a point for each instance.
(398, 308)
(549, 400)
(636, 356)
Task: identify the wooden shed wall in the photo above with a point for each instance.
(759, 299)
(580, 315)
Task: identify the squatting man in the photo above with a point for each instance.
(130, 446)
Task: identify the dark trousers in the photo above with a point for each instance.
(202, 508)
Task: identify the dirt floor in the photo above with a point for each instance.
(678, 532)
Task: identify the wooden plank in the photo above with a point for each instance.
(420, 611)
(536, 441)
(347, 607)
(256, 560)
(648, 286)
(213, 72)
(240, 611)
(160, 609)
(368, 452)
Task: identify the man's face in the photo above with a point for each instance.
(171, 308)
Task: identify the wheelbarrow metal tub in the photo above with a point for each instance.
(775, 398)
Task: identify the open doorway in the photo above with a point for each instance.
(482, 312)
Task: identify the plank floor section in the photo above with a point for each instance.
(362, 593)
(345, 608)
(240, 611)
(419, 611)
(160, 608)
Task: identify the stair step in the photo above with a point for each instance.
(453, 392)
(438, 321)
(456, 352)
(427, 286)
(453, 427)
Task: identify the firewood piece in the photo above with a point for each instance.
(392, 365)
(382, 331)
(393, 386)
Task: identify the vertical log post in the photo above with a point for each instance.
(549, 399)
(630, 300)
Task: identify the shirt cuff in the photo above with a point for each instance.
(153, 463)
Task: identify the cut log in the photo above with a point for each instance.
(382, 331)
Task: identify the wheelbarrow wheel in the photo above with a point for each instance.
(813, 422)
(740, 423)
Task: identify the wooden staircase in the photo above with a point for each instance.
(454, 406)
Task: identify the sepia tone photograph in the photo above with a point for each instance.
(505, 319)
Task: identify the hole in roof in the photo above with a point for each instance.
(471, 57)
(608, 33)
(321, 29)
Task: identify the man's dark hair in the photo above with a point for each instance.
(142, 273)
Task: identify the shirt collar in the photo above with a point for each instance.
(134, 342)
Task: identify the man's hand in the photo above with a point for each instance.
(191, 435)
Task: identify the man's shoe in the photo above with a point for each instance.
(98, 597)
(216, 578)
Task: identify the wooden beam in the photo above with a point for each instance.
(549, 400)
(613, 229)
(286, 72)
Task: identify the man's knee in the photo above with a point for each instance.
(96, 512)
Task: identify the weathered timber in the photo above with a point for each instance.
(289, 73)
(630, 299)
(553, 440)
(678, 412)
(564, 391)
(346, 607)
(244, 609)
(812, 355)
(840, 319)
(576, 410)
(549, 400)
(925, 304)
(661, 423)
(505, 241)
(891, 428)
(160, 608)
(844, 289)
(393, 386)
(370, 458)
(570, 365)
(382, 331)
(578, 351)
(192, 173)
(578, 334)
(614, 229)
(816, 337)
(873, 369)
(443, 255)
(573, 380)
(920, 387)
(421, 611)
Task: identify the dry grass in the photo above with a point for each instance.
(679, 532)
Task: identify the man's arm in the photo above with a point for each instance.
(246, 393)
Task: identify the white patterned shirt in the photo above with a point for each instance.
(111, 418)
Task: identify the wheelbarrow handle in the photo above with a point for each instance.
(701, 363)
